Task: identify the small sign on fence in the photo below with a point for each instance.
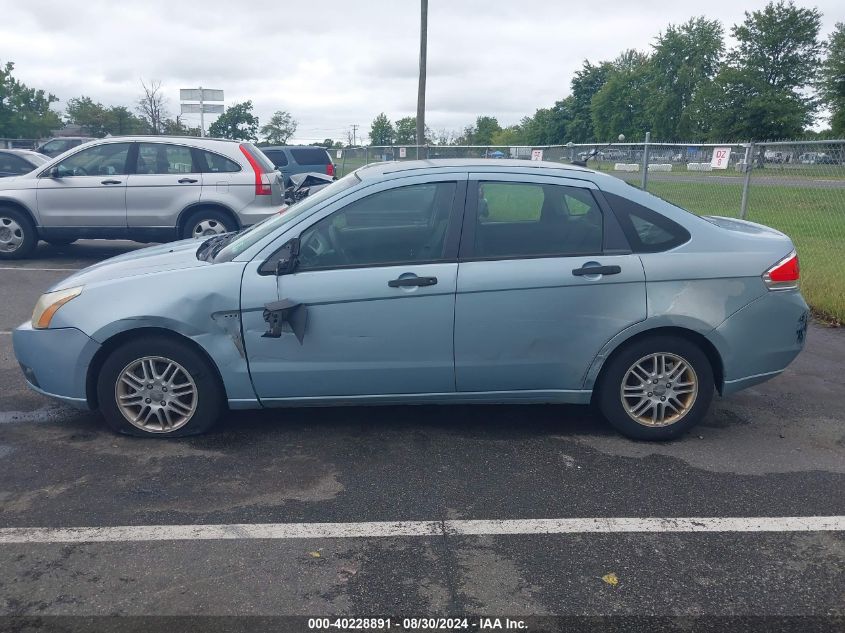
(721, 156)
(536, 154)
(340, 153)
(403, 152)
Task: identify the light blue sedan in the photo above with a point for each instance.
(430, 282)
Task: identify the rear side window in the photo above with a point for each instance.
(647, 231)
(277, 156)
(211, 163)
(536, 220)
(310, 156)
(163, 158)
(11, 164)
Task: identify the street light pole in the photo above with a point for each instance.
(421, 88)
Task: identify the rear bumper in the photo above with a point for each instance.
(55, 361)
(759, 341)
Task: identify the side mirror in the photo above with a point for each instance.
(283, 261)
(55, 172)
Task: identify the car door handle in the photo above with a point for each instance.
(597, 270)
(182, 181)
(110, 182)
(406, 282)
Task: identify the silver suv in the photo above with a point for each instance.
(143, 188)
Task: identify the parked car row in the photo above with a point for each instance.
(149, 189)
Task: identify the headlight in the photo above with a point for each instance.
(49, 303)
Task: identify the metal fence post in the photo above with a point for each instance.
(343, 163)
(749, 165)
(367, 155)
(645, 161)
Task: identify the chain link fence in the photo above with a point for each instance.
(797, 187)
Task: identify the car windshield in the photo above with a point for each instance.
(256, 233)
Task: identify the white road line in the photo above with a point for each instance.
(50, 270)
(279, 531)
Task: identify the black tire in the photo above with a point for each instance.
(220, 221)
(208, 396)
(58, 242)
(609, 395)
(18, 236)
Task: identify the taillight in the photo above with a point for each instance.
(262, 179)
(783, 275)
(330, 169)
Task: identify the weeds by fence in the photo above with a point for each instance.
(797, 187)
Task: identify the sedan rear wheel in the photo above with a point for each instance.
(656, 388)
(159, 387)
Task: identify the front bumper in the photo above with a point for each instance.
(757, 342)
(55, 361)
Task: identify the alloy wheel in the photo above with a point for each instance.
(156, 394)
(659, 389)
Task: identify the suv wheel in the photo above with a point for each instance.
(17, 234)
(207, 223)
(656, 388)
(159, 387)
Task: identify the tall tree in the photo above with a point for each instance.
(121, 121)
(381, 131)
(24, 112)
(619, 107)
(832, 79)
(91, 116)
(280, 128)
(686, 58)
(237, 123)
(760, 93)
(152, 106)
(485, 128)
(585, 84)
(406, 131)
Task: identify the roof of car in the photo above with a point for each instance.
(374, 170)
(263, 147)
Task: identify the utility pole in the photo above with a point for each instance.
(354, 127)
(421, 88)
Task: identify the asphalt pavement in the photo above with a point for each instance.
(773, 451)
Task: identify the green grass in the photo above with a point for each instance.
(813, 218)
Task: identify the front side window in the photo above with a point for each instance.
(108, 159)
(535, 220)
(163, 158)
(397, 226)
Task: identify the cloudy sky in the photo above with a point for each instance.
(335, 63)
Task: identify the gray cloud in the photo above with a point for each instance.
(332, 63)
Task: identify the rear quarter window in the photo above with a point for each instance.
(647, 231)
(211, 163)
(310, 156)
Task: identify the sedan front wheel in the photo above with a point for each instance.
(158, 387)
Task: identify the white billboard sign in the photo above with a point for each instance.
(721, 156)
(206, 108)
(200, 94)
(403, 152)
